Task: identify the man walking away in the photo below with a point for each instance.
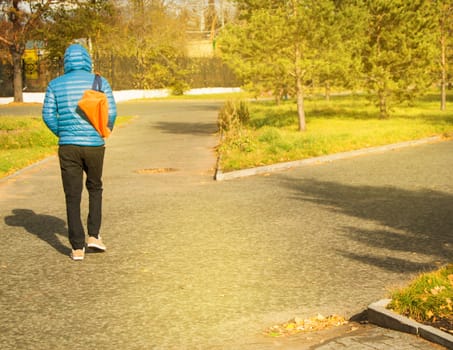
(81, 148)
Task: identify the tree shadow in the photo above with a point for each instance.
(275, 118)
(435, 97)
(419, 222)
(45, 227)
(196, 129)
(286, 117)
(150, 107)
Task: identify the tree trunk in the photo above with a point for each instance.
(299, 89)
(17, 74)
(278, 98)
(383, 105)
(327, 91)
(300, 104)
(298, 75)
(443, 82)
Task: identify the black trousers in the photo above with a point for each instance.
(74, 162)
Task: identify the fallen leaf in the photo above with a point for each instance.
(437, 289)
(298, 325)
(450, 278)
(290, 326)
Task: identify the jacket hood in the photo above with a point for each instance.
(76, 57)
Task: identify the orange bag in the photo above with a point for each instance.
(95, 105)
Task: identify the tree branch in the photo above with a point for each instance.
(5, 41)
(36, 15)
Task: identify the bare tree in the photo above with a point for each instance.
(18, 21)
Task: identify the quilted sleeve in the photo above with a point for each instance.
(49, 111)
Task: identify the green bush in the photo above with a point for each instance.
(179, 88)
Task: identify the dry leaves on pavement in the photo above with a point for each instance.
(298, 325)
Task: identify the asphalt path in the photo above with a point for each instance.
(198, 264)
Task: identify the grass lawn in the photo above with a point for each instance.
(26, 140)
(428, 299)
(342, 124)
(23, 141)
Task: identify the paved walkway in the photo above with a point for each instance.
(197, 264)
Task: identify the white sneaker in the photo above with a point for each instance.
(78, 254)
(96, 243)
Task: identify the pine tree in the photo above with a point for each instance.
(398, 54)
(339, 62)
(276, 44)
(443, 17)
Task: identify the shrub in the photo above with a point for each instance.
(179, 88)
(233, 115)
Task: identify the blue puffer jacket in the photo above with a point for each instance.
(60, 112)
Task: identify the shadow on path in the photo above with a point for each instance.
(187, 128)
(45, 227)
(419, 222)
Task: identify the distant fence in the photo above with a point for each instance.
(204, 72)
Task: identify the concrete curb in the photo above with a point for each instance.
(221, 176)
(379, 315)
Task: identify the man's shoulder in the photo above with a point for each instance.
(56, 80)
(72, 77)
